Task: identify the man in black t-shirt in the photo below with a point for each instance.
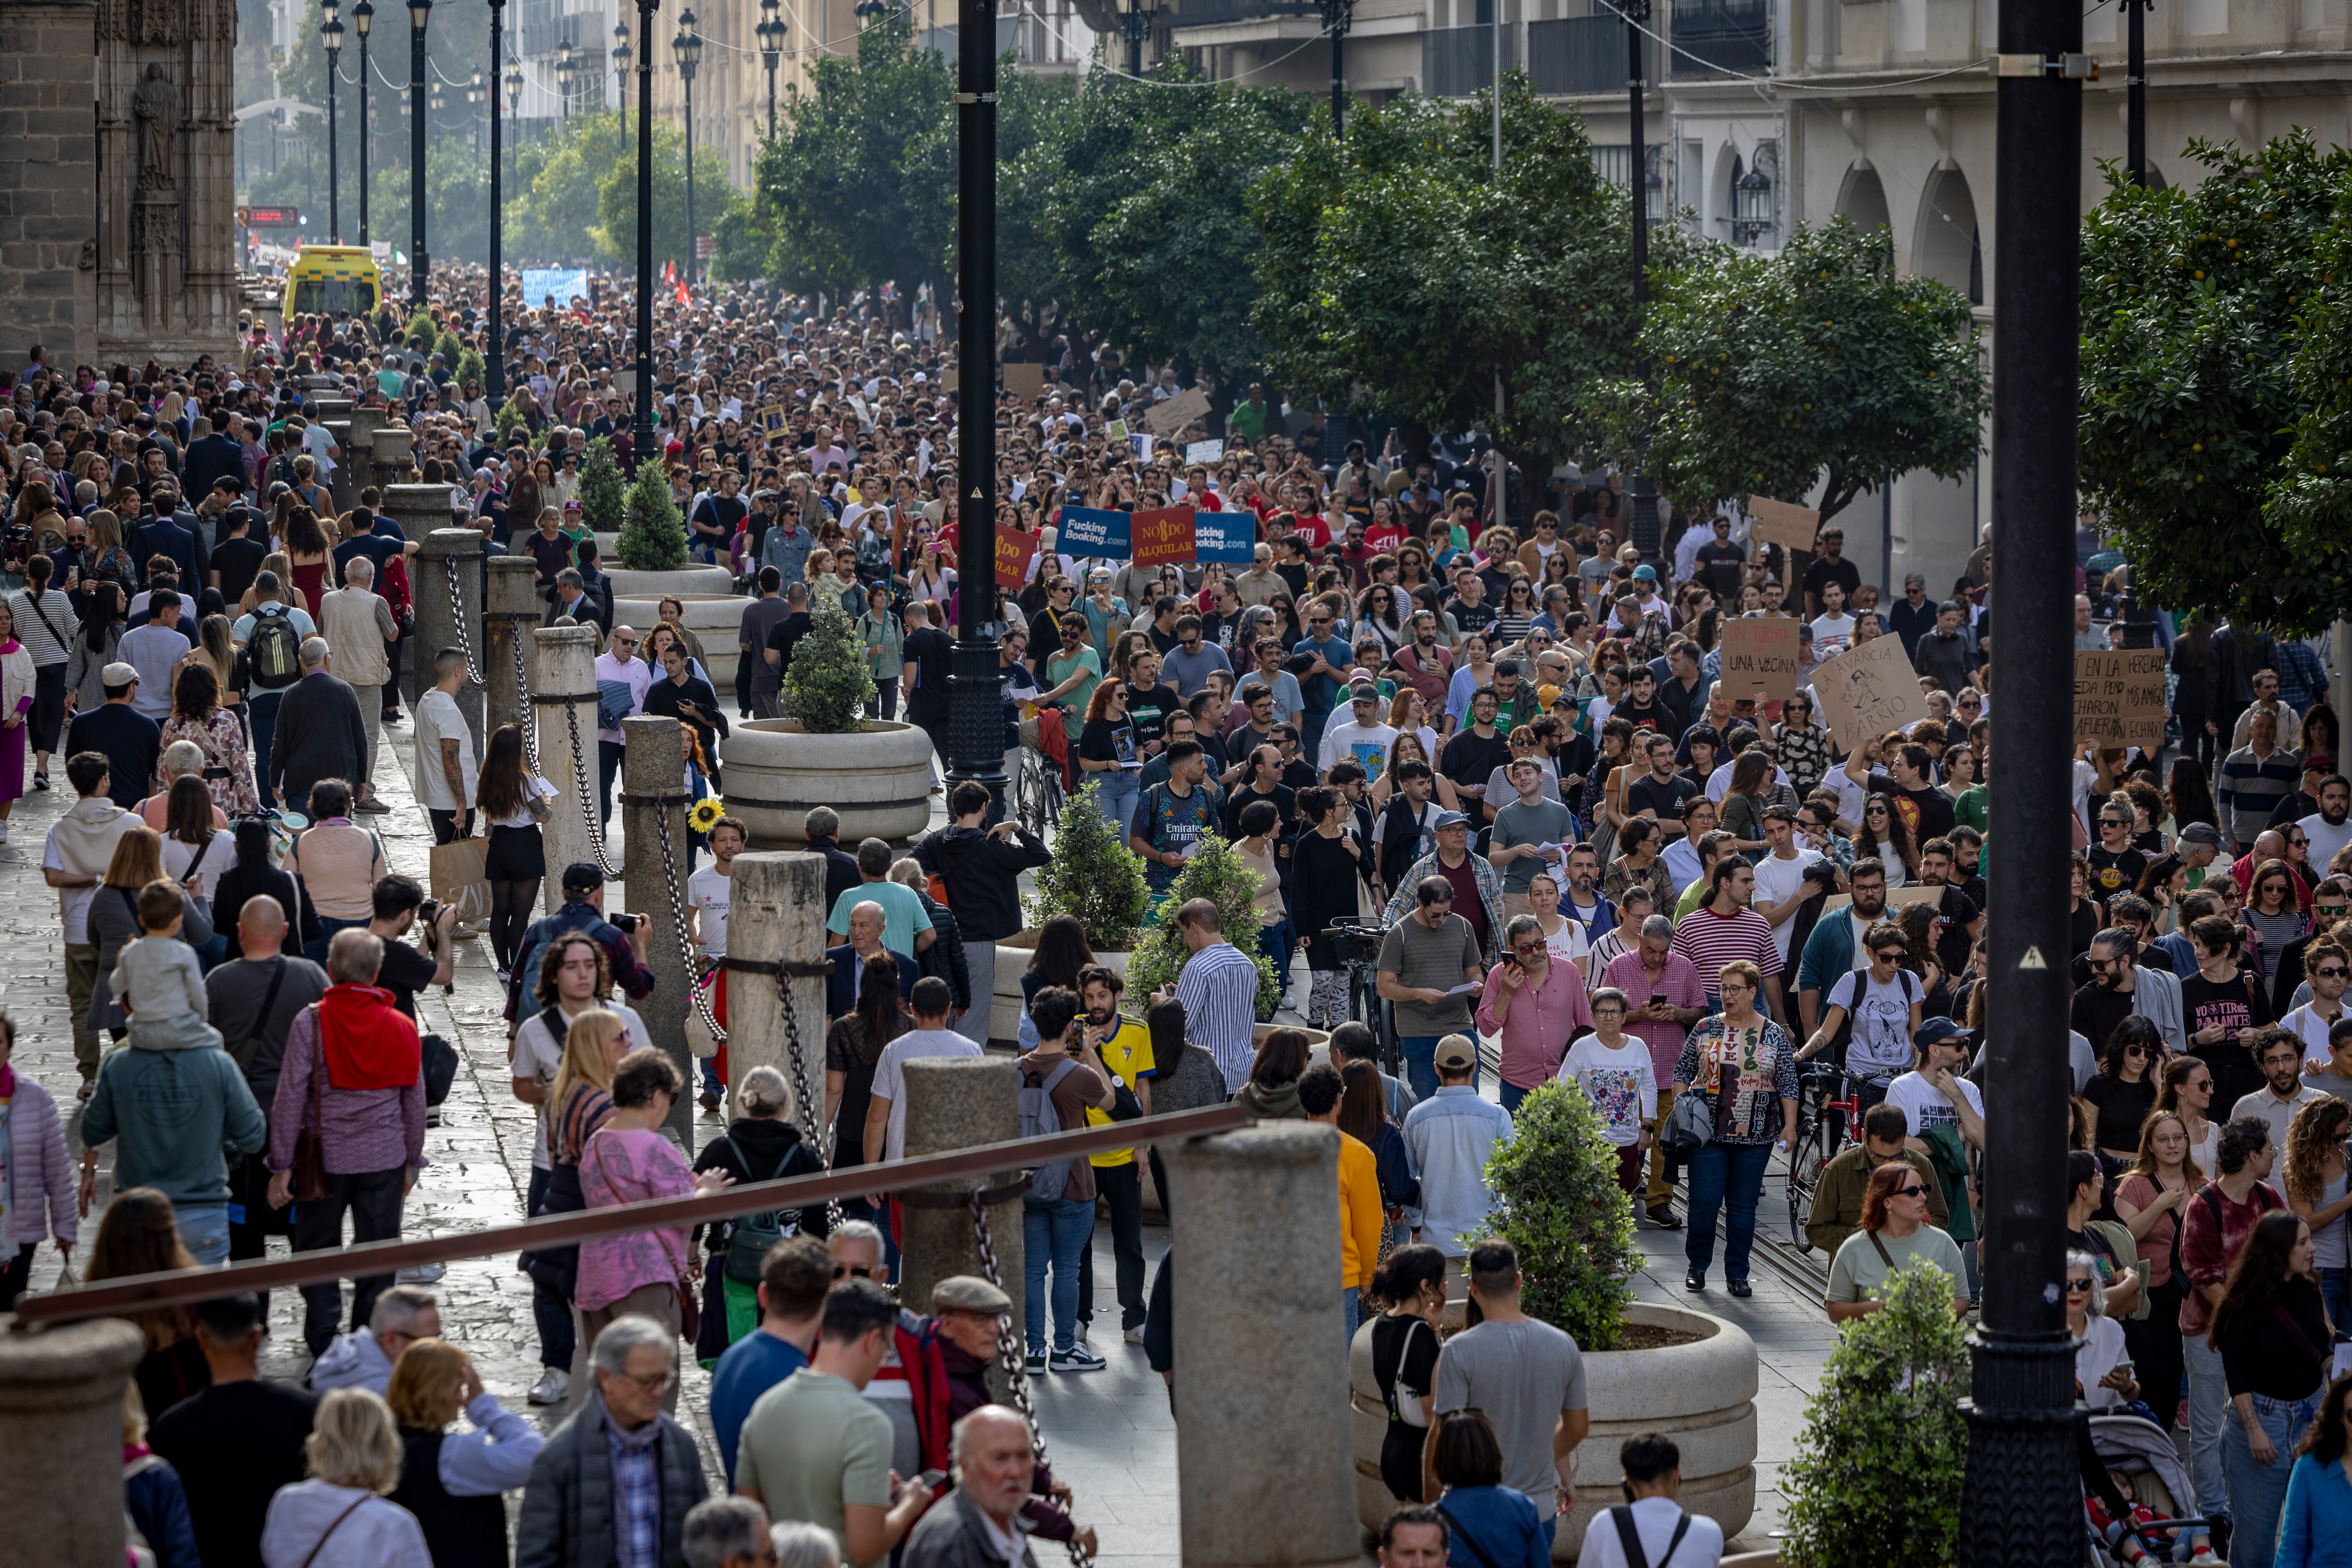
(716, 516)
(1963, 916)
(930, 655)
(1830, 566)
(1470, 758)
(1926, 809)
(788, 632)
(238, 1441)
(408, 969)
(237, 559)
(1150, 702)
(1662, 791)
(1719, 564)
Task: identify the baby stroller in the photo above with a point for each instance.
(2139, 1504)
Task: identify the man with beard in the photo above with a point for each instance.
(1926, 809)
(1124, 1047)
(1474, 753)
(1963, 917)
(2119, 988)
(1835, 947)
(2330, 827)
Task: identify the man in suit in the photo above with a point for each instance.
(170, 532)
(211, 458)
(319, 734)
(821, 828)
(850, 959)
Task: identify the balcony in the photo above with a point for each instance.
(1225, 12)
(1457, 62)
(1715, 38)
(1583, 55)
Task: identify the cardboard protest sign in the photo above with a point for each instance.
(1778, 522)
(1164, 537)
(950, 380)
(1205, 452)
(1759, 659)
(1025, 381)
(1227, 536)
(1165, 418)
(1100, 535)
(2119, 698)
(1015, 551)
(1868, 691)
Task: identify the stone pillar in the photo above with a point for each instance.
(390, 457)
(566, 668)
(48, 191)
(1258, 1350)
(61, 1426)
(444, 552)
(356, 438)
(653, 793)
(777, 910)
(510, 607)
(961, 1102)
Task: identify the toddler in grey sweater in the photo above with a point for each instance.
(158, 980)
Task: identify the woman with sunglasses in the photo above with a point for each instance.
(1801, 745)
(2271, 914)
(1884, 834)
(2123, 1091)
(2152, 1201)
(1895, 1229)
(2187, 1091)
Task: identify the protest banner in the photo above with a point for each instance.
(559, 284)
(1165, 418)
(2119, 698)
(1098, 535)
(1760, 661)
(1868, 691)
(1164, 537)
(1014, 550)
(1778, 522)
(1227, 536)
(1205, 452)
(1025, 381)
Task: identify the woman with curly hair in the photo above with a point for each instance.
(2313, 1178)
(197, 716)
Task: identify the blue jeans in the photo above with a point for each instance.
(1512, 1095)
(2257, 1491)
(1274, 943)
(204, 1228)
(2336, 1289)
(1721, 1172)
(1054, 1233)
(315, 952)
(1351, 1312)
(2209, 1413)
(1421, 1063)
(1118, 791)
(549, 1309)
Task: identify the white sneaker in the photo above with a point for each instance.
(421, 1274)
(554, 1385)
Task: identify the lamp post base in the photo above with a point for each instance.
(2021, 1503)
(975, 727)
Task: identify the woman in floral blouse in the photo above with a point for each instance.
(1801, 745)
(197, 716)
(1740, 1059)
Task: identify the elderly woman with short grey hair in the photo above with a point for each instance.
(761, 1144)
(340, 1518)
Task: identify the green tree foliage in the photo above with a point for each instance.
(1769, 370)
(615, 229)
(1212, 871)
(2209, 323)
(1876, 1478)
(828, 685)
(653, 535)
(1093, 877)
(574, 193)
(603, 497)
(1403, 263)
(469, 368)
(1558, 1204)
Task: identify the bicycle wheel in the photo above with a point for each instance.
(1805, 1162)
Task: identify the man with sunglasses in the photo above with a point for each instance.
(2119, 988)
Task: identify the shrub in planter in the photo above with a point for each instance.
(1093, 876)
(603, 498)
(653, 538)
(1213, 871)
(1559, 1204)
(1876, 1478)
(510, 426)
(469, 368)
(828, 685)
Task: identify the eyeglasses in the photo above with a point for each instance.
(853, 1270)
(1524, 948)
(2335, 972)
(1914, 1191)
(624, 642)
(654, 1383)
(1890, 955)
(2078, 1287)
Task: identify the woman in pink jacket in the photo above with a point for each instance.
(36, 1168)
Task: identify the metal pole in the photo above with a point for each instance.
(641, 425)
(417, 264)
(772, 98)
(494, 362)
(1638, 490)
(2136, 90)
(1886, 540)
(363, 137)
(334, 165)
(975, 694)
(693, 245)
(2022, 1501)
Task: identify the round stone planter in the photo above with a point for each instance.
(1702, 1395)
(879, 779)
(628, 584)
(715, 619)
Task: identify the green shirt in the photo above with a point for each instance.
(1059, 669)
(812, 1445)
(1857, 1272)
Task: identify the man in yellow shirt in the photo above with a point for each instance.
(1126, 1048)
(1360, 1215)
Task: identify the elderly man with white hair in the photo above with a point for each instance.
(976, 1525)
(322, 729)
(358, 625)
(617, 1460)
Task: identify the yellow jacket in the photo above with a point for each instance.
(1360, 1213)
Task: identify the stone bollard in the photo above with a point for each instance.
(776, 909)
(391, 458)
(566, 668)
(653, 793)
(61, 1427)
(510, 607)
(353, 464)
(961, 1102)
(1260, 1349)
(445, 553)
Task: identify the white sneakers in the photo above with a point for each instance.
(554, 1385)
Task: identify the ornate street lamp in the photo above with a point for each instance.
(420, 11)
(363, 18)
(330, 38)
(771, 32)
(621, 70)
(1751, 204)
(567, 70)
(494, 369)
(687, 47)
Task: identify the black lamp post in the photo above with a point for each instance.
(494, 367)
(363, 18)
(687, 47)
(621, 70)
(331, 38)
(975, 692)
(420, 11)
(514, 94)
(567, 71)
(1338, 16)
(2136, 90)
(771, 32)
(1638, 488)
(641, 423)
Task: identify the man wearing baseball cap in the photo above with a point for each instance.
(1360, 737)
(130, 741)
(1450, 1134)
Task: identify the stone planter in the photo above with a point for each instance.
(879, 779)
(1012, 955)
(715, 619)
(628, 584)
(1702, 1395)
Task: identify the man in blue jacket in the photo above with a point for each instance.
(583, 910)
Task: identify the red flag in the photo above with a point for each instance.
(685, 295)
(669, 272)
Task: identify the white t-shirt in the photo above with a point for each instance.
(1350, 742)
(1851, 795)
(1568, 944)
(536, 1056)
(1656, 1519)
(1621, 1084)
(73, 903)
(438, 718)
(2101, 1347)
(890, 1077)
(181, 861)
(2305, 1023)
(708, 893)
(2326, 841)
(1778, 880)
(534, 787)
(1881, 1046)
(1833, 635)
(1718, 783)
(1924, 1106)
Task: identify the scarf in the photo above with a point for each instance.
(367, 1042)
(86, 834)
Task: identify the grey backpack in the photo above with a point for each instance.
(1039, 1119)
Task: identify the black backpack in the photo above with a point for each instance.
(274, 652)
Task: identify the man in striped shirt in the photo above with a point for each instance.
(1218, 987)
(1724, 929)
(2255, 779)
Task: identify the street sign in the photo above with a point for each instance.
(273, 217)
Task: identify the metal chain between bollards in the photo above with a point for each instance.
(587, 808)
(523, 704)
(1017, 1368)
(457, 619)
(691, 961)
(810, 1122)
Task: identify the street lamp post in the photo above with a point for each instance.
(363, 18)
(2136, 88)
(330, 38)
(514, 94)
(494, 367)
(621, 70)
(567, 71)
(1639, 489)
(975, 692)
(420, 11)
(771, 52)
(641, 423)
(1338, 16)
(687, 47)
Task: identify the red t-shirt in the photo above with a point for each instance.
(1467, 901)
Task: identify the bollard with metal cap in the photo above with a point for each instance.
(652, 798)
(61, 1427)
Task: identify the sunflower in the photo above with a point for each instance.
(705, 815)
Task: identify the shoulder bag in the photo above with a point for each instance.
(321, 1545)
(310, 1167)
(244, 1050)
(1630, 1541)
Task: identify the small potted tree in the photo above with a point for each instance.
(653, 536)
(1093, 877)
(603, 495)
(1212, 871)
(874, 773)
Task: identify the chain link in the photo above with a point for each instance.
(691, 960)
(1008, 1351)
(523, 704)
(587, 806)
(457, 619)
(810, 1121)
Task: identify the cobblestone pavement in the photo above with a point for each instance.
(1111, 1434)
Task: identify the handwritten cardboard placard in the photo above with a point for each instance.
(1014, 550)
(1025, 381)
(1227, 536)
(1099, 535)
(2119, 698)
(1760, 661)
(1164, 537)
(1165, 418)
(1205, 452)
(948, 380)
(1868, 691)
(1778, 522)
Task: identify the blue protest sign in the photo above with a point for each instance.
(1227, 536)
(1100, 535)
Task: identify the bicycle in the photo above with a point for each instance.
(1358, 943)
(1037, 792)
(1821, 1124)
